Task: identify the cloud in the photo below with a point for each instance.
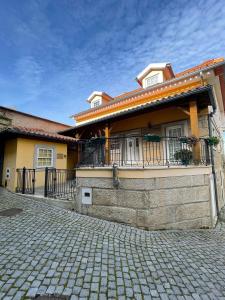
(56, 53)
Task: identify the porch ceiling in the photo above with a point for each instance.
(202, 95)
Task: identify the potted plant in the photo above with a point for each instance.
(213, 140)
(184, 155)
(152, 138)
(192, 140)
(98, 140)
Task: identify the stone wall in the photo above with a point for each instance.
(177, 202)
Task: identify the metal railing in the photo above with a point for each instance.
(48, 182)
(60, 183)
(25, 181)
(143, 151)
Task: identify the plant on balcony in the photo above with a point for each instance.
(213, 140)
(184, 155)
(152, 138)
(99, 140)
(192, 140)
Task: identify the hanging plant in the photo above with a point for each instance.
(152, 138)
(213, 140)
(98, 140)
(192, 140)
(184, 155)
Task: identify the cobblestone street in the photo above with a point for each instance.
(47, 250)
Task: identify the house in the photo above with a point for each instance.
(153, 157)
(31, 142)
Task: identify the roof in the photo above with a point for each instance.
(126, 96)
(34, 132)
(205, 64)
(155, 66)
(34, 116)
(157, 103)
(97, 93)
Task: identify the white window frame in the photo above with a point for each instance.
(152, 80)
(94, 102)
(38, 157)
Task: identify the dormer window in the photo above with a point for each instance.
(98, 98)
(154, 74)
(95, 103)
(152, 80)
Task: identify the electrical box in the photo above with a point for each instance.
(86, 196)
(7, 173)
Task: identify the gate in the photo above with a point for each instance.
(60, 183)
(25, 181)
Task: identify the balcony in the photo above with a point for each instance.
(143, 151)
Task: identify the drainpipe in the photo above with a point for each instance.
(116, 181)
(213, 163)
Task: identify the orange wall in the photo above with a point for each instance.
(154, 118)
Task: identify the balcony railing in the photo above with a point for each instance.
(143, 151)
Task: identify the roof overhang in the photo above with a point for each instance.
(203, 95)
(10, 133)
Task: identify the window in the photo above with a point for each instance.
(95, 103)
(152, 80)
(44, 157)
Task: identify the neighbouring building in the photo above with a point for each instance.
(31, 142)
(153, 157)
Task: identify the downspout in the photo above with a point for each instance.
(213, 163)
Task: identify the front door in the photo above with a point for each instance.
(133, 150)
(1, 162)
(173, 145)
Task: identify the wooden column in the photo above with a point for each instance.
(194, 128)
(107, 145)
(78, 149)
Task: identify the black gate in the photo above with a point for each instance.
(1, 162)
(25, 181)
(60, 183)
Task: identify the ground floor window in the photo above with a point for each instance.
(44, 157)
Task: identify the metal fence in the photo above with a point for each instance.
(144, 151)
(25, 181)
(60, 183)
(48, 182)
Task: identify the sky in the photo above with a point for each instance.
(55, 53)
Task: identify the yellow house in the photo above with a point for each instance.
(33, 149)
(151, 157)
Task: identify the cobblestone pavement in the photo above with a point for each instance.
(47, 250)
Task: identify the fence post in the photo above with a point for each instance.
(23, 180)
(46, 182)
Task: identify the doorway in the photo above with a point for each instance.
(173, 145)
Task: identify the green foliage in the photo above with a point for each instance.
(184, 155)
(213, 140)
(152, 138)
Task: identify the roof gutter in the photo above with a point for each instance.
(151, 104)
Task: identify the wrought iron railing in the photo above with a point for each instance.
(47, 182)
(143, 151)
(60, 183)
(25, 181)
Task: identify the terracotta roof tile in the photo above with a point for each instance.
(126, 95)
(205, 64)
(36, 132)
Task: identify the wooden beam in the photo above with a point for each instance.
(184, 110)
(107, 144)
(194, 128)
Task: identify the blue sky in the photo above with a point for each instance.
(54, 53)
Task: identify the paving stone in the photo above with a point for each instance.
(54, 251)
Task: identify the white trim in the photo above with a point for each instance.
(151, 67)
(37, 156)
(183, 123)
